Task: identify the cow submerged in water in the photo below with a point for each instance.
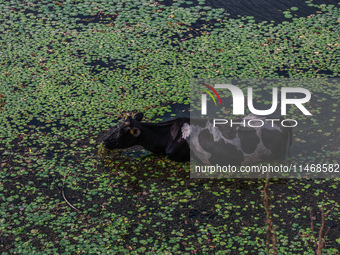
(176, 138)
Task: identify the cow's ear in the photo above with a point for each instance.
(135, 132)
(139, 116)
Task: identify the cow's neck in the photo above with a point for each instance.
(154, 137)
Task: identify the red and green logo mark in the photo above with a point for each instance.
(213, 90)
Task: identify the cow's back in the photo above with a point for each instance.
(238, 144)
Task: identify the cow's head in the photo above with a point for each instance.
(125, 134)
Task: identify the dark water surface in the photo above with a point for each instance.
(264, 10)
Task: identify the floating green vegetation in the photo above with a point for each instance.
(70, 69)
(2, 101)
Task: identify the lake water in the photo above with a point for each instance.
(264, 10)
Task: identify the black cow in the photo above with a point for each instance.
(162, 138)
(208, 144)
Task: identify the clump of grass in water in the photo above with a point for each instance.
(112, 154)
(112, 158)
(102, 151)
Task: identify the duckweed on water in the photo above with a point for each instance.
(70, 69)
